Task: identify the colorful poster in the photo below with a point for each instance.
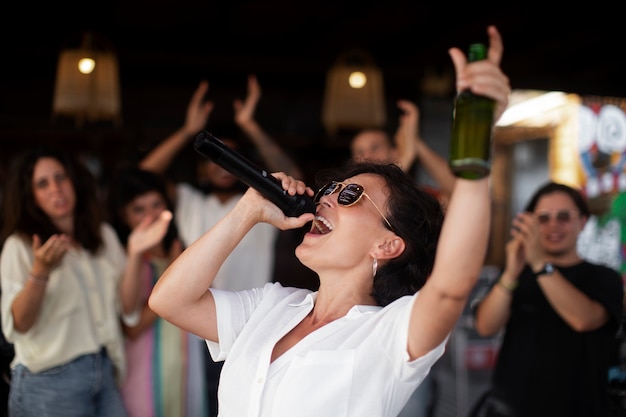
(602, 150)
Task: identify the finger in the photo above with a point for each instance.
(156, 230)
(254, 90)
(293, 186)
(202, 89)
(496, 46)
(402, 105)
(36, 242)
(253, 83)
(280, 175)
(296, 222)
(458, 60)
(56, 248)
(159, 227)
(290, 184)
(166, 216)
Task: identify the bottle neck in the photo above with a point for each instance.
(477, 52)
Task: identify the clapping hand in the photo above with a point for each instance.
(149, 233)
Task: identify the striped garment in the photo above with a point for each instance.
(166, 370)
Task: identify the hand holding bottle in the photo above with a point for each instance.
(475, 109)
(484, 77)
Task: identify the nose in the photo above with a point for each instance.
(55, 185)
(324, 201)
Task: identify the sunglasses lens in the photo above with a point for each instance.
(350, 194)
(543, 218)
(325, 190)
(563, 216)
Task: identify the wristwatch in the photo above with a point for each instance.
(547, 269)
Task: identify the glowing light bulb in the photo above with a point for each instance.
(86, 65)
(357, 79)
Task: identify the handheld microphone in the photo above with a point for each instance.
(250, 174)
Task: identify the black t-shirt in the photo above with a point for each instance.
(544, 367)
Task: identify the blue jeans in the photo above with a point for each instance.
(85, 387)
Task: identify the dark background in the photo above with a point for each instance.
(166, 47)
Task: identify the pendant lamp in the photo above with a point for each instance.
(87, 85)
(354, 96)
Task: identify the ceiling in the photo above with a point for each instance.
(166, 47)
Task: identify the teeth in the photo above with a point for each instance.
(323, 225)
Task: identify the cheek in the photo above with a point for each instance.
(40, 197)
(71, 195)
(132, 219)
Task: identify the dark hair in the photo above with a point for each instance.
(128, 184)
(416, 216)
(554, 187)
(21, 214)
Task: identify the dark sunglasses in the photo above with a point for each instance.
(561, 216)
(349, 195)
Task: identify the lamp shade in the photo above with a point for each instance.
(354, 97)
(88, 96)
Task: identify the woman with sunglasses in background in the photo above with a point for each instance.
(362, 343)
(560, 314)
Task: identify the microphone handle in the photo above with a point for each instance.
(252, 175)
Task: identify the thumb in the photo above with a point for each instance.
(459, 61)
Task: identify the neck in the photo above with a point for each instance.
(65, 225)
(565, 259)
(333, 303)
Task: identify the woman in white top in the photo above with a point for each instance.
(64, 290)
(364, 341)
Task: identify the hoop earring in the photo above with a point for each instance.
(374, 267)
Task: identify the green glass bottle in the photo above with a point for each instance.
(472, 125)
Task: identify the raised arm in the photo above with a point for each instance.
(27, 304)
(181, 294)
(144, 236)
(463, 242)
(411, 146)
(275, 159)
(198, 111)
(494, 309)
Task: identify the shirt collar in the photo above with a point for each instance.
(355, 311)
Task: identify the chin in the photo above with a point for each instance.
(301, 254)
